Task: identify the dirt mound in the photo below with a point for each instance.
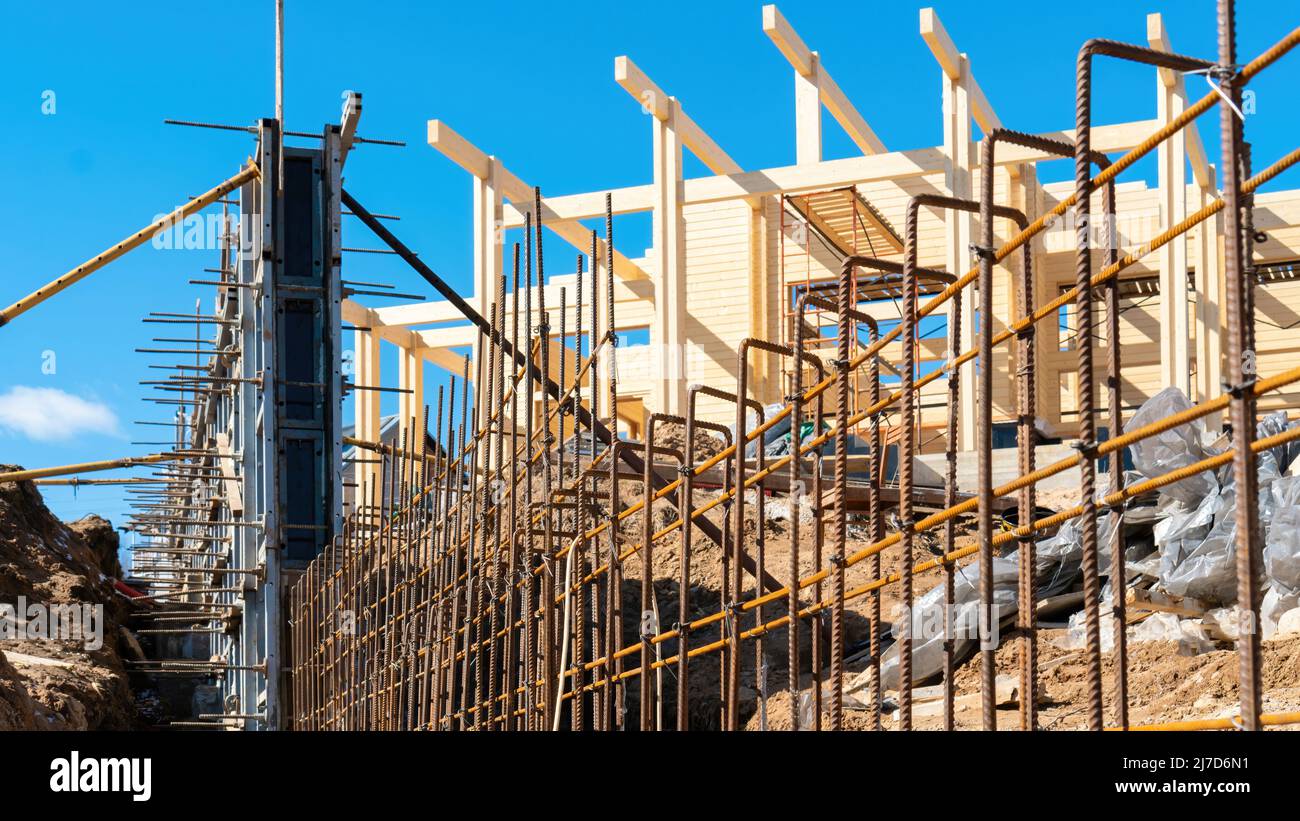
(17, 710)
(1162, 685)
(50, 679)
(672, 435)
(99, 535)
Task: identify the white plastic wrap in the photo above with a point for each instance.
(1175, 448)
(1276, 604)
(1198, 542)
(1191, 636)
(1282, 549)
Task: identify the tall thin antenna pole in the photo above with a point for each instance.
(279, 87)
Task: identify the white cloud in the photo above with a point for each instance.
(49, 414)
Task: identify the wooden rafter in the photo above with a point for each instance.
(475, 161)
(807, 64)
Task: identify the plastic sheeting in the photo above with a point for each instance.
(1172, 449)
(1197, 538)
(1282, 548)
(1191, 637)
(1199, 544)
(1057, 566)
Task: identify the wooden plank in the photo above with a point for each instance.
(654, 101)
(458, 149)
(478, 163)
(813, 78)
(348, 127)
(445, 359)
(941, 45)
(635, 82)
(1158, 39)
(837, 103)
(894, 166)
(1156, 602)
(229, 481)
(1118, 137)
(783, 35)
(571, 231)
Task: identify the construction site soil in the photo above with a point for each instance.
(55, 684)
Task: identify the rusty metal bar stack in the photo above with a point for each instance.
(487, 586)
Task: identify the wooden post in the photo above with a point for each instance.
(764, 312)
(959, 228)
(668, 334)
(1175, 358)
(808, 114)
(488, 219)
(1171, 161)
(365, 404)
(1209, 307)
(410, 377)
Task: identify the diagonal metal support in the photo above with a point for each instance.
(583, 415)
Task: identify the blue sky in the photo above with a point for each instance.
(530, 82)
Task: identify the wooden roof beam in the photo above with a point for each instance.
(894, 165)
(949, 59)
(654, 101)
(807, 63)
(1158, 38)
(468, 156)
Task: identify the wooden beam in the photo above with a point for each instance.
(445, 359)
(458, 337)
(410, 406)
(458, 149)
(941, 45)
(467, 156)
(571, 231)
(1171, 161)
(894, 165)
(788, 41)
(981, 110)
(811, 74)
(847, 116)
(654, 101)
(1108, 139)
(807, 118)
(668, 229)
(1209, 307)
(418, 313)
(959, 229)
(635, 82)
(365, 404)
(703, 146)
(1158, 39)
(949, 59)
(229, 481)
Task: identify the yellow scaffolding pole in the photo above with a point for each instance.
(132, 242)
(86, 467)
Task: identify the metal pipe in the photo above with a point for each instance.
(132, 242)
